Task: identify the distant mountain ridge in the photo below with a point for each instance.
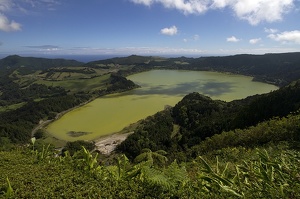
(132, 59)
(33, 63)
(279, 69)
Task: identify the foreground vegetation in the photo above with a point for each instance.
(238, 172)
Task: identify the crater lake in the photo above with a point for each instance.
(110, 114)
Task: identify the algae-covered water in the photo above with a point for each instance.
(110, 114)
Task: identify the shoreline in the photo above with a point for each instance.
(108, 143)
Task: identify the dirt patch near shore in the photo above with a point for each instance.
(108, 143)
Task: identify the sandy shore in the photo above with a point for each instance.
(108, 143)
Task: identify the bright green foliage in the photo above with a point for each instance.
(157, 157)
(271, 177)
(9, 192)
(41, 154)
(84, 160)
(216, 181)
(262, 177)
(73, 147)
(123, 169)
(266, 173)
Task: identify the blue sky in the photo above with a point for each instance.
(149, 27)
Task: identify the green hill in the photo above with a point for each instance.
(130, 60)
(30, 64)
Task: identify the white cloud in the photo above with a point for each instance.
(232, 39)
(145, 2)
(6, 25)
(169, 31)
(270, 30)
(287, 37)
(254, 11)
(22, 6)
(262, 10)
(185, 6)
(254, 41)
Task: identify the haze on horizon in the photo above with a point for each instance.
(148, 27)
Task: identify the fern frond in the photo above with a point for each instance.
(156, 177)
(176, 173)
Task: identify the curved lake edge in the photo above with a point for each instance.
(97, 139)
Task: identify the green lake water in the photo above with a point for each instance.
(110, 114)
